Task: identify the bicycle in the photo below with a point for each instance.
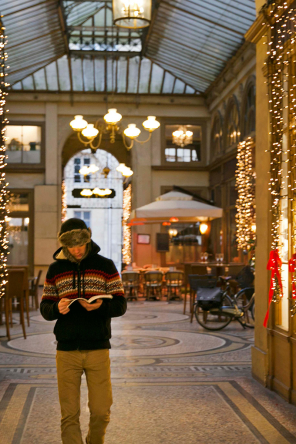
(217, 308)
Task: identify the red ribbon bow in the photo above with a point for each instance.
(274, 264)
(292, 269)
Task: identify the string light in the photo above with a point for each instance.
(245, 216)
(281, 80)
(64, 201)
(4, 194)
(127, 234)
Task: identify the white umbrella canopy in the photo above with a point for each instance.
(175, 205)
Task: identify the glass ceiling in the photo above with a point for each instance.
(73, 45)
(194, 39)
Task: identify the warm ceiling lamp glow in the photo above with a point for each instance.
(182, 137)
(93, 168)
(90, 132)
(112, 116)
(173, 232)
(174, 219)
(132, 131)
(78, 124)
(151, 124)
(127, 172)
(166, 224)
(203, 228)
(133, 14)
(102, 192)
(86, 192)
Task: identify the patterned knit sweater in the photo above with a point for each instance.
(94, 275)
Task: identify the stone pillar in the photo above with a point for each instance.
(46, 196)
(263, 205)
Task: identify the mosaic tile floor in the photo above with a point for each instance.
(173, 383)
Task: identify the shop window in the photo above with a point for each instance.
(23, 144)
(184, 149)
(18, 240)
(20, 229)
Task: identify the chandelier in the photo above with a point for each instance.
(102, 192)
(132, 14)
(182, 137)
(91, 134)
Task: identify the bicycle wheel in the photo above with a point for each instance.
(245, 302)
(214, 319)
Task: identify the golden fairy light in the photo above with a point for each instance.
(127, 234)
(281, 81)
(64, 201)
(245, 215)
(4, 195)
(282, 106)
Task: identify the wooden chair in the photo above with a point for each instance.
(16, 289)
(199, 281)
(174, 283)
(131, 282)
(153, 284)
(33, 290)
(25, 268)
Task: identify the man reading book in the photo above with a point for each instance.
(82, 330)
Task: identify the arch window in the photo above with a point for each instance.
(249, 111)
(217, 134)
(232, 123)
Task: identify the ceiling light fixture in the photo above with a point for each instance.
(91, 131)
(182, 137)
(131, 13)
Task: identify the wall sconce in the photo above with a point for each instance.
(203, 228)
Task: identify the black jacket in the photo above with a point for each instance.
(81, 329)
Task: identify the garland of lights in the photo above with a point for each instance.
(245, 221)
(4, 196)
(281, 64)
(127, 234)
(64, 201)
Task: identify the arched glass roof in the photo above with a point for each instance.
(74, 46)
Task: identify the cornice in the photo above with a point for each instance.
(257, 30)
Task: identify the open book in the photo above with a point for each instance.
(92, 299)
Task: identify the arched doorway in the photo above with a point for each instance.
(102, 214)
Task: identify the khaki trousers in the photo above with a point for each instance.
(70, 367)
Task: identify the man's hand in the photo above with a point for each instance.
(93, 306)
(63, 306)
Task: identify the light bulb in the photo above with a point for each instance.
(84, 170)
(90, 132)
(112, 116)
(120, 167)
(151, 124)
(127, 172)
(86, 192)
(203, 228)
(93, 168)
(78, 124)
(132, 131)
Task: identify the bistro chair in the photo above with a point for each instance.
(153, 284)
(131, 282)
(25, 268)
(174, 283)
(199, 281)
(33, 290)
(15, 294)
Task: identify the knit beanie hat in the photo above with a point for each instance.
(74, 232)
